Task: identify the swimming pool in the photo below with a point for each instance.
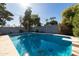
(42, 44)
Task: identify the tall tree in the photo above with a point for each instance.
(70, 20)
(36, 20)
(76, 24)
(52, 21)
(5, 15)
(27, 19)
(30, 19)
(67, 18)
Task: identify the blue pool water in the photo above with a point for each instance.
(42, 44)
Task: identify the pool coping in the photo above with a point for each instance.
(7, 47)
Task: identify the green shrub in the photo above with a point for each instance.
(75, 23)
(76, 32)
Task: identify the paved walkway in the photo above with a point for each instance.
(75, 47)
(6, 47)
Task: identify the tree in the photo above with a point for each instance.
(66, 27)
(30, 19)
(26, 21)
(52, 21)
(76, 24)
(5, 15)
(67, 19)
(36, 20)
(71, 20)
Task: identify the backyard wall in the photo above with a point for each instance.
(43, 29)
(47, 29)
(9, 30)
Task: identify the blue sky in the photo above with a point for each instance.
(44, 10)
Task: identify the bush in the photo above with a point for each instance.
(76, 32)
(66, 29)
(76, 24)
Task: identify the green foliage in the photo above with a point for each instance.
(76, 21)
(70, 19)
(52, 21)
(5, 15)
(30, 20)
(36, 20)
(2, 22)
(76, 24)
(65, 21)
(26, 21)
(76, 32)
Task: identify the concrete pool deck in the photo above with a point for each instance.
(6, 47)
(75, 47)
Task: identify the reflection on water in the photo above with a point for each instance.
(42, 45)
